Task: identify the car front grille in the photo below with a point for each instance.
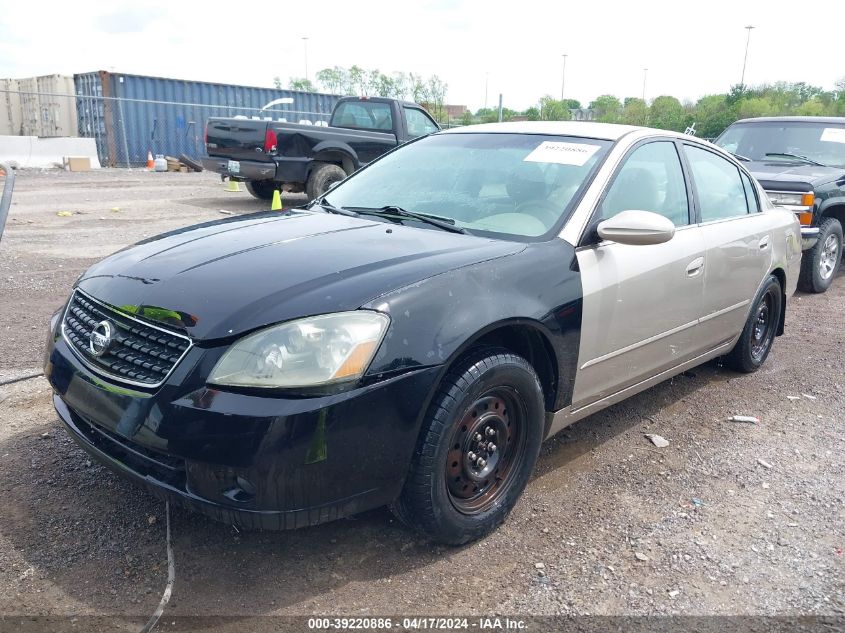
(139, 353)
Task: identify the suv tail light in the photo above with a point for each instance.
(270, 141)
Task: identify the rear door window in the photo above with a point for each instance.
(720, 189)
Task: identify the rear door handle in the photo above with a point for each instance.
(695, 267)
(763, 243)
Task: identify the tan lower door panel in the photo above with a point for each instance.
(640, 314)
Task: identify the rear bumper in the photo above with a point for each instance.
(283, 169)
(249, 169)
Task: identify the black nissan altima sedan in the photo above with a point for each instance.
(411, 337)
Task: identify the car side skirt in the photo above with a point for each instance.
(558, 420)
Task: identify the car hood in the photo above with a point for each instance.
(220, 279)
(785, 172)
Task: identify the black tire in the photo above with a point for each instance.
(322, 177)
(261, 189)
(451, 497)
(755, 342)
(818, 264)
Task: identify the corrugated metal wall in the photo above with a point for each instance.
(34, 106)
(130, 115)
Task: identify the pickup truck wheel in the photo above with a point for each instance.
(477, 448)
(755, 342)
(820, 263)
(261, 189)
(323, 176)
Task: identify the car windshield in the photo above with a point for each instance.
(518, 185)
(820, 142)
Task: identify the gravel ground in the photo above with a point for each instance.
(728, 519)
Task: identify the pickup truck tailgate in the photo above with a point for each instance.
(237, 139)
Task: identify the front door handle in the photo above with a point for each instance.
(695, 267)
(763, 243)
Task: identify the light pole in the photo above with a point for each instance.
(745, 59)
(645, 73)
(305, 44)
(563, 77)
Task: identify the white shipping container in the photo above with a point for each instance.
(10, 116)
(37, 109)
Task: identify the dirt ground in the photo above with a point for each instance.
(729, 519)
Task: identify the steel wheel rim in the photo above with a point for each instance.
(763, 328)
(827, 261)
(499, 418)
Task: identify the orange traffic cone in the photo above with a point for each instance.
(150, 162)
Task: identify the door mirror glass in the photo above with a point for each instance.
(637, 228)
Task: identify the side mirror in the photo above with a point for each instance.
(637, 228)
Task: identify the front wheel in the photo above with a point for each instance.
(755, 342)
(477, 448)
(820, 263)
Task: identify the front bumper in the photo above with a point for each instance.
(257, 461)
(809, 237)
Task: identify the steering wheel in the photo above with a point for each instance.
(546, 212)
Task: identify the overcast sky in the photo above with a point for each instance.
(689, 48)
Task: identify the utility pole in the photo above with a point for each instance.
(500, 107)
(645, 73)
(563, 77)
(486, 83)
(745, 59)
(305, 44)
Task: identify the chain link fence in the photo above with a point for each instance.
(126, 130)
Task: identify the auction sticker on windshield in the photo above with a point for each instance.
(562, 153)
(832, 135)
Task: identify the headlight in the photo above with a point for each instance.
(306, 353)
(791, 199)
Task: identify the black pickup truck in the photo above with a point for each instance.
(270, 155)
(800, 162)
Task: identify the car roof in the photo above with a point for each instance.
(589, 129)
(840, 120)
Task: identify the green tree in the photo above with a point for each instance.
(333, 80)
(608, 108)
(552, 109)
(712, 114)
(634, 112)
(667, 113)
(300, 83)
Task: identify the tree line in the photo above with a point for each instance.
(358, 81)
(710, 114)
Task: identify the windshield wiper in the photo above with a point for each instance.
(744, 159)
(330, 208)
(447, 224)
(798, 156)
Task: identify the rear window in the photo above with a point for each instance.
(365, 115)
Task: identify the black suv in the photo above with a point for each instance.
(800, 161)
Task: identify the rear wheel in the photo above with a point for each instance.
(322, 177)
(820, 263)
(478, 447)
(755, 342)
(261, 189)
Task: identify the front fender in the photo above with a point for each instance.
(435, 320)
